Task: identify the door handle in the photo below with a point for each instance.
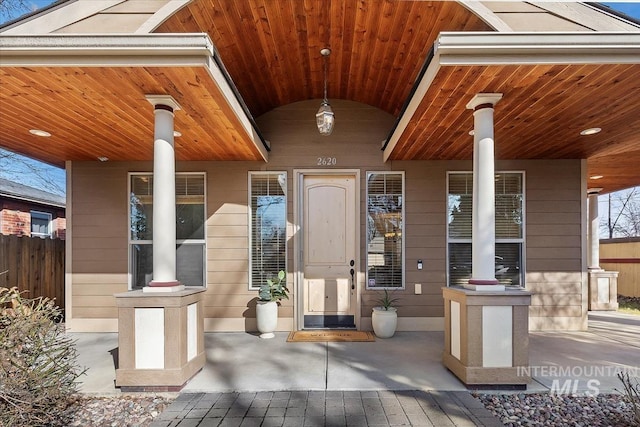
(353, 272)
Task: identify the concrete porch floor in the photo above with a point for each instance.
(408, 361)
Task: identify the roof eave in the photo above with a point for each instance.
(126, 50)
(491, 48)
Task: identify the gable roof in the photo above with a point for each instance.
(17, 191)
(383, 55)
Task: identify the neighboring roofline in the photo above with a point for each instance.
(31, 199)
(130, 50)
(491, 48)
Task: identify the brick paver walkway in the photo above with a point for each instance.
(326, 408)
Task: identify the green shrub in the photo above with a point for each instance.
(38, 362)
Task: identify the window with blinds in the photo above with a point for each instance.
(385, 230)
(268, 226)
(509, 195)
(190, 225)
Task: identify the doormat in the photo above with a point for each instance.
(331, 336)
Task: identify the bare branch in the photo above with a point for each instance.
(13, 165)
(10, 9)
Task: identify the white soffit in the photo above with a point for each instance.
(125, 50)
(491, 48)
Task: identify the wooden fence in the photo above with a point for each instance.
(623, 255)
(34, 265)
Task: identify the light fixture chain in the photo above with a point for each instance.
(325, 77)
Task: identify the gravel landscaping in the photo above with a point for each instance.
(545, 409)
(116, 411)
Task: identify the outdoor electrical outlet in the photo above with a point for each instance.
(418, 289)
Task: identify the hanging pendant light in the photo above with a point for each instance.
(325, 117)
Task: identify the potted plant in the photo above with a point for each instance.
(385, 316)
(269, 295)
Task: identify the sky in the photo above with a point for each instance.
(57, 175)
(631, 8)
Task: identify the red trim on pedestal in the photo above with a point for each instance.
(483, 282)
(154, 284)
(483, 106)
(164, 107)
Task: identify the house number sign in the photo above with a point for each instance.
(326, 161)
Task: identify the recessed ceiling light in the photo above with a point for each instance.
(103, 158)
(590, 131)
(596, 177)
(177, 133)
(472, 132)
(39, 132)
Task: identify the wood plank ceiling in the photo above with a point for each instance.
(271, 49)
(93, 112)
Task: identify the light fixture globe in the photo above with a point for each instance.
(325, 119)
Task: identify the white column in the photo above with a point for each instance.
(164, 196)
(593, 236)
(483, 225)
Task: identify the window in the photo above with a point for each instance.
(385, 230)
(40, 224)
(268, 226)
(509, 195)
(190, 222)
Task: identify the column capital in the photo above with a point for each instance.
(594, 191)
(480, 99)
(166, 100)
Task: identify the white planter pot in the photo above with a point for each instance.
(267, 318)
(384, 321)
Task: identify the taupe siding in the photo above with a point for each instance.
(554, 244)
(99, 233)
(553, 215)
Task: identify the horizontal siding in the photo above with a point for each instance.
(553, 241)
(554, 245)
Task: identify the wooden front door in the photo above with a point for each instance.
(329, 251)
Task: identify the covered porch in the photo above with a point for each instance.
(408, 361)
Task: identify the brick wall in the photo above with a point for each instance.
(15, 222)
(59, 226)
(15, 218)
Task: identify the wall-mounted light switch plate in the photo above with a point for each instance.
(418, 288)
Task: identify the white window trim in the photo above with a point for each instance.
(250, 227)
(49, 226)
(404, 227)
(178, 242)
(522, 240)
